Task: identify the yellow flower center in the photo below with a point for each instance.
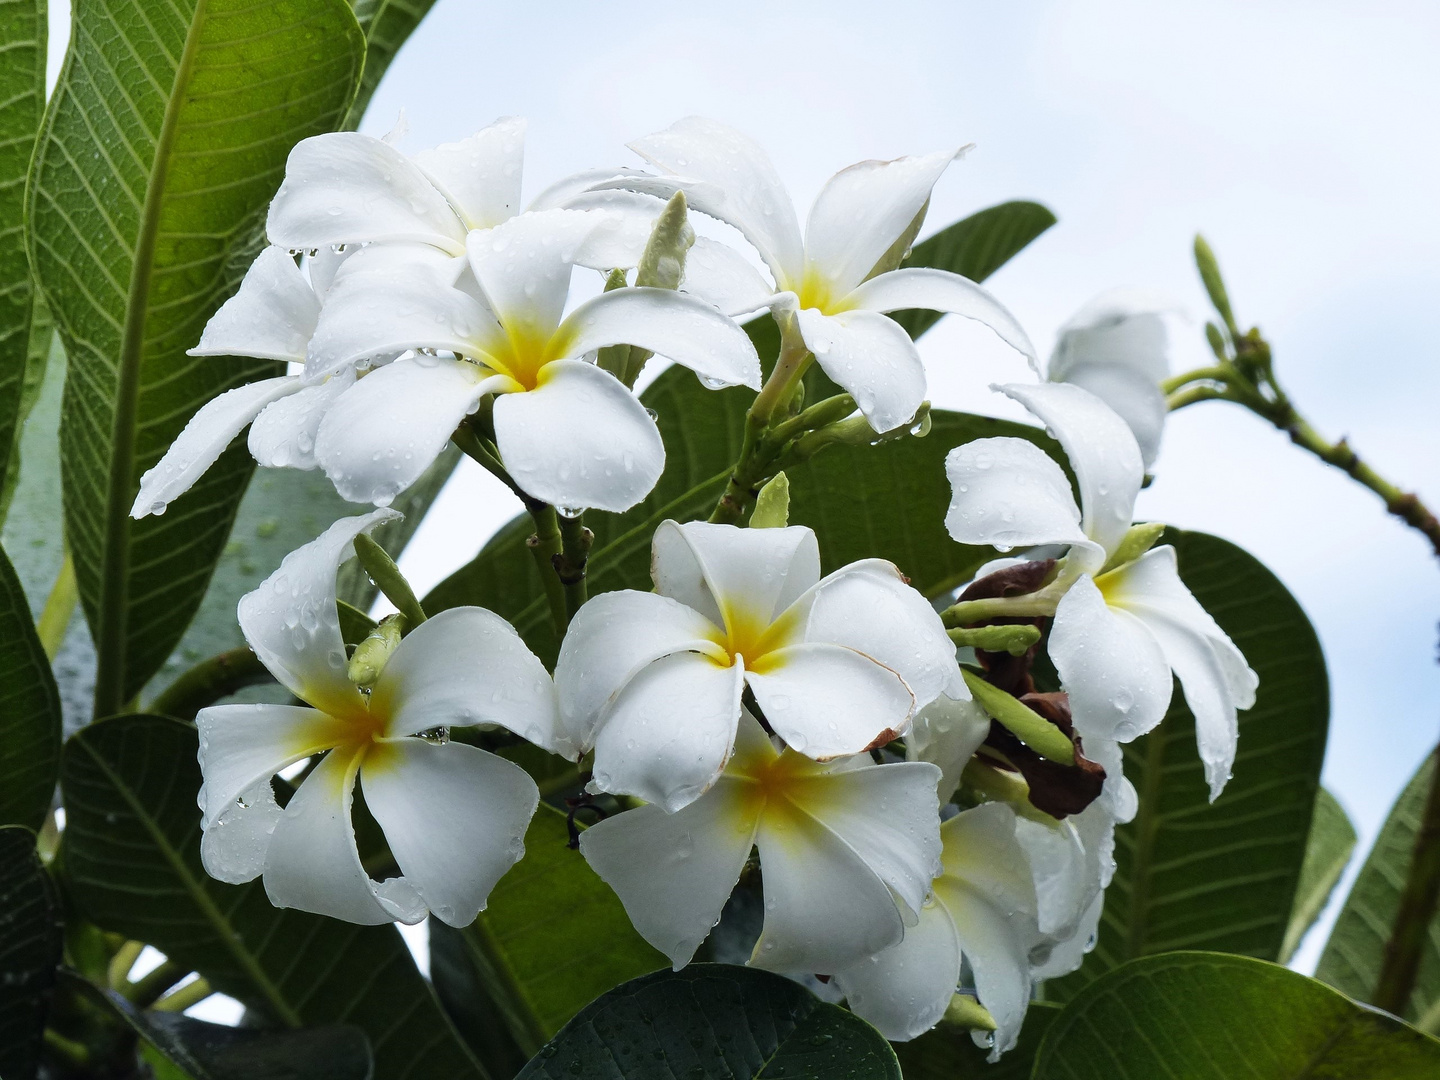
(522, 355)
(752, 637)
(816, 292)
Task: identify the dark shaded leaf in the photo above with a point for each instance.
(29, 712)
(29, 951)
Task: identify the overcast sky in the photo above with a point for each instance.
(1297, 136)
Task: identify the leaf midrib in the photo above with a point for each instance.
(115, 560)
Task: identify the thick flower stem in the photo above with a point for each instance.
(546, 545)
(153, 985)
(192, 993)
(209, 681)
(1418, 903)
(570, 563)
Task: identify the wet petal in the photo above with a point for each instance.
(241, 745)
(272, 315)
(905, 990)
(720, 275)
(1007, 493)
(1122, 327)
(480, 176)
(870, 356)
(1136, 399)
(524, 265)
(754, 573)
(283, 435)
(946, 733)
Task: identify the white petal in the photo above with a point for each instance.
(468, 666)
(312, 863)
(720, 275)
(348, 188)
(524, 265)
(674, 872)
(204, 439)
(283, 435)
(564, 193)
(1065, 872)
(737, 184)
(947, 732)
(241, 745)
(1122, 327)
(940, 290)
(871, 357)
(826, 700)
(1069, 953)
(682, 328)
(890, 817)
(669, 732)
(454, 817)
(381, 434)
(291, 623)
(1214, 675)
(727, 573)
(324, 263)
(1101, 449)
(862, 211)
(579, 439)
(868, 606)
(271, 316)
(610, 639)
(1008, 493)
(904, 991)
(235, 842)
(1111, 666)
(825, 909)
(393, 298)
(480, 175)
(1133, 396)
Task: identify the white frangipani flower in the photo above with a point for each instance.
(652, 681)
(981, 909)
(271, 317)
(847, 852)
(1117, 346)
(568, 432)
(1119, 630)
(839, 280)
(453, 815)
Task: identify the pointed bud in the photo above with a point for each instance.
(388, 579)
(1214, 283)
(1138, 540)
(372, 654)
(1216, 340)
(1036, 732)
(772, 505)
(966, 1012)
(671, 237)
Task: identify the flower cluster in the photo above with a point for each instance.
(923, 814)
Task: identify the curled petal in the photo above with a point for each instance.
(313, 864)
(454, 817)
(1008, 493)
(904, 991)
(283, 435)
(862, 211)
(940, 290)
(870, 356)
(687, 330)
(381, 434)
(1121, 327)
(720, 275)
(674, 872)
(271, 316)
(291, 623)
(1138, 402)
(468, 666)
(480, 176)
(669, 732)
(348, 188)
(1111, 666)
(568, 190)
(204, 439)
(734, 575)
(579, 439)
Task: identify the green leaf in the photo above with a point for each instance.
(1223, 876)
(29, 712)
(948, 1053)
(1208, 1016)
(43, 344)
(22, 102)
(713, 1022)
(1353, 956)
(553, 935)
(1327, 853)
(164, 142)
(387, 23)
(29, 951)
(131, 862)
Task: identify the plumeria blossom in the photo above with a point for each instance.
(454, 816)
(568, 432)
(981, 909)
(652, 681)
(847, 852)
(1119, 630)
(838, 281)
(271, 317)
(1117, 346)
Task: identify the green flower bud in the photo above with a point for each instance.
(966, 1012)
(1012, 639)
(1214, 283)
(772, 504)
(1138, 540)
(372, 654)
(671, 237)
(388, 579)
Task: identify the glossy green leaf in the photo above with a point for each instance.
(29, 951)
(1327, 853)
(948, 1053)
(387, 23)
(713, 1022)
(1221, 876)
(553, 935)
(1208, 1016)
(43, 344)
(22, 101)
(1353, 956)
(131, 861)
(30, 722)
(164, 142)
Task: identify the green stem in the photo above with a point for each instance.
(545, 545)
(1193, 394)
(192, 993)
(1418, 903)
(59, 607)
(575, 541)
(121, 963)
(209, 681)
(1212, 374)
(145, 990)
